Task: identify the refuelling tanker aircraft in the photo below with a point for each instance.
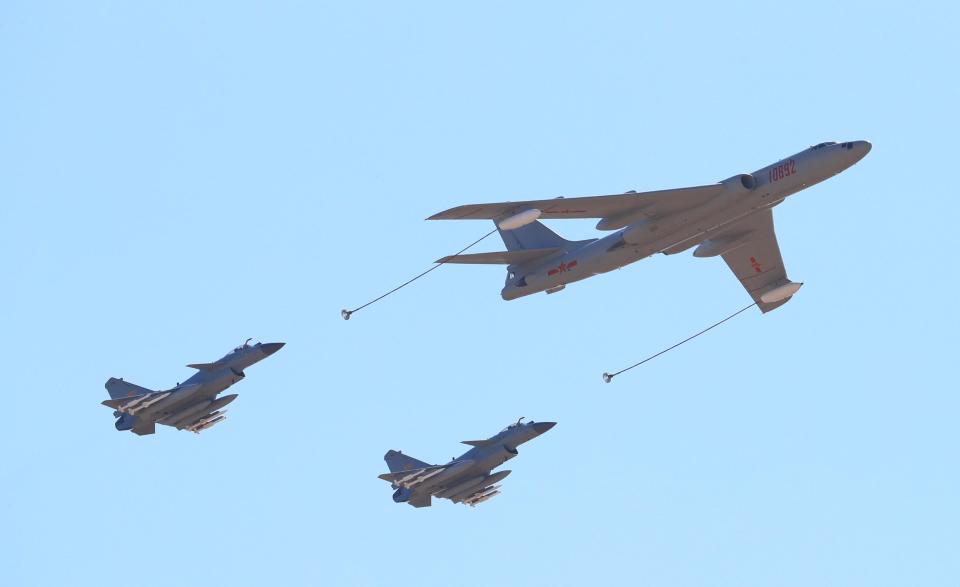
(467, 479)
(191, 405)
(732, 219)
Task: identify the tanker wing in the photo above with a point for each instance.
(751, 251)
(607, 207)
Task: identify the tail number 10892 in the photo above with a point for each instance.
(783, 170)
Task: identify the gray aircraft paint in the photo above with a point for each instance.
(731, 219)
(192, 405)
(466, 479)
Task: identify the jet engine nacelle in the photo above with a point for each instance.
(403, 494)
(741, 184)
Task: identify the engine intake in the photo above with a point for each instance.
(742, 183)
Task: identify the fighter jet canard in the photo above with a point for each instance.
(732, 219)
(192, 405)
(467, 479)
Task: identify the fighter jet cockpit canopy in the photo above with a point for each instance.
(245, 345)
(824, 144)
(514, 425)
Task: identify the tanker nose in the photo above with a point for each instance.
(859, 150)
(269, 348)
(541, 427)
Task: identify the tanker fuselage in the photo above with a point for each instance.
(740, 196)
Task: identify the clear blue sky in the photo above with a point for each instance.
(179, 176)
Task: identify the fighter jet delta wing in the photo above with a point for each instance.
(751, 251)
(616, 210)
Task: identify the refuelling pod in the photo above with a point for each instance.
(780, 293)
(520, 219)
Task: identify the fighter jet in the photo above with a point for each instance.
(732, 219)
(192, 405)
(467, 479)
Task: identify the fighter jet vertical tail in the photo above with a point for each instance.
(118, 388)
(397, 461)
(532, 236)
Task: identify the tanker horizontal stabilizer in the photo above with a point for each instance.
(501, 257)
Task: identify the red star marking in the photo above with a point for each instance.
(756, 265)
(562, 268)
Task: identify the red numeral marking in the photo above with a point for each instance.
(781, 171)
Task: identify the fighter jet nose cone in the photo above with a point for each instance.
(271, 347)
(541, 427)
